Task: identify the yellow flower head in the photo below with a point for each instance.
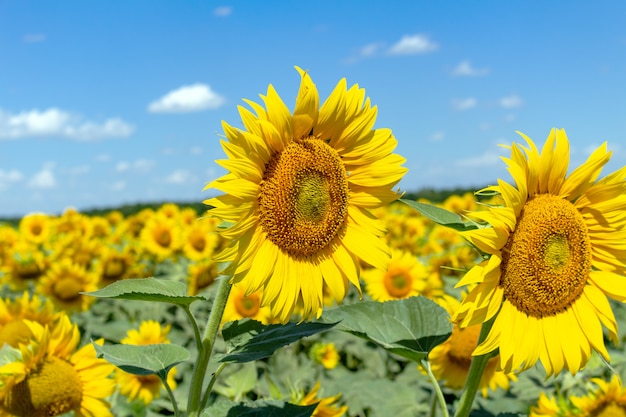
(556, 254)
(144, 388)
(200, 240)
(35, 227)
(161, 236)
(49, 377)
(241, 306)
(326, 354)
(14, 313)
(64, 282)
(298, 196)
(201, 275)
(326, 407)
(608, 400)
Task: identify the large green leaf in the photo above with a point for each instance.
(258, 409)
(248, 340)
(144, 359)
(440, 216)
(147, 289)
(410, 327)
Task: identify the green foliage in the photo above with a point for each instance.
(440, 216)
(258, 409)
(155, 359)
(410, 327)
(148, 289)
(249, 340)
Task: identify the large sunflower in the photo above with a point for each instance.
(298, 196)
(557, 252)
(49, 377)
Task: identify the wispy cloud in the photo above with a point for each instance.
(488, 158)
(180, 176)
(59, 123)
(9, 177)
(34, 37)
(465, 69)
(140, 165)
(511, 101)
(407, 45)
(44, 179)
(436, 137)
(464, 103)
(413, 44)
(188, 98)
(223, 11)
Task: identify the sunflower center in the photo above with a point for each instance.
(67, 289)
(398, 284)
(28, 270)
(247, 306)
(546, 261)
(610, 409)
(163, 237)
(51, 389)
(303, 200)
(198, 243)
(206, 276)
(114, 269)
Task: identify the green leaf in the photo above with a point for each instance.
(440, 216)
(410, 327)
(258, 409)
(249, 340)
(147, 289)
(236, 385)
(144, 359)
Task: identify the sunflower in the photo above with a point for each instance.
(556, 253)
(115, 263)
(549, 407)
(201, 275)
(606, 401)
(49, 377)
(405, 277)
(160, 236)
(450, 361)
(326, 407)
(13, 313)
(298, 196)
(144, 388)
(241, 306)
(325, 354)
(25, 265)
(64, 284)
(35, 227)
(199, 242)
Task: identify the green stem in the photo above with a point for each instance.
(194, 325)
(207, 393)
(206, 347)
(171, 394)
(476, 370)
(442, 401)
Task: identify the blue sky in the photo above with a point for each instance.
(107, 103)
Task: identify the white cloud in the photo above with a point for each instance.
(141, 165)
(56, 122)
(413, 44)
(486, 159)
(79, 170)
(465, 69)
(9, 177)
(464, 103)
(436, 137)
(118, 186)
(180, 176)
(512, 101)
(196, 150)
(34, 37)
(103, 157)
(223, 11)
(43, 179)
(188, 98)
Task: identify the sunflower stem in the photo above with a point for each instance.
(206, 347)
(207, 393)
(476, 370)
(171, 394)
(442, 401)
(194, 325)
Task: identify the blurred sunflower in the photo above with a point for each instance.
(200, 275)
(326, 407)
(199, 242)
(550, 407)
(35, 227)
(48, 377)
(298, 196)
(326, 354)
(160, 236)
(608, 400)
(405, 277)
(450, 360)
(64, 282)
(115, 263)
(25, 265)
(144, 388)
(14, 312)
(241, 306)
(557, 253)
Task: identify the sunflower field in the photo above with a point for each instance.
(313, 287)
